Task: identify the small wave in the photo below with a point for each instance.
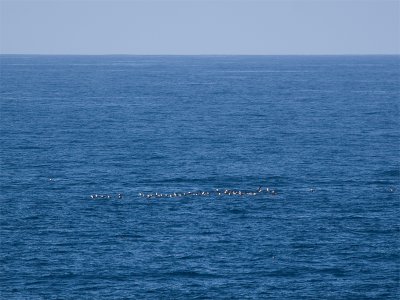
(391, 173)
(237, 211)
(129, 236)
(187, 273)
(337, 272)
(380, 182)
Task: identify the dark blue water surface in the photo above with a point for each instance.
(73, 126)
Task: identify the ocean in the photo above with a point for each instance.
(164, 132)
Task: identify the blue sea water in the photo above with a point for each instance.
(74, 126)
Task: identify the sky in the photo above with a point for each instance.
(205, 27)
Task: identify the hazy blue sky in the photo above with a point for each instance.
(200, 27)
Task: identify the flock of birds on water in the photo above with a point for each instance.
(105, 196)
(216, 192)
